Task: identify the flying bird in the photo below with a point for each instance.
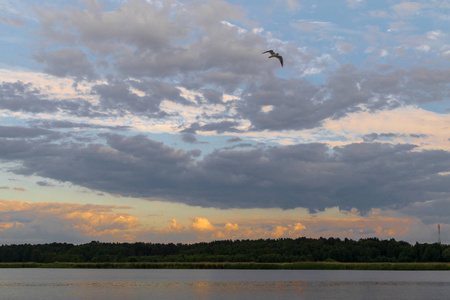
(273, 54)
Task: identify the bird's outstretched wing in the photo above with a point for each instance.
(281, 60)
(270, 51)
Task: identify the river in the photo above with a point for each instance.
(221, 284)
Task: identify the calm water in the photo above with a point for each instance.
(222, 284)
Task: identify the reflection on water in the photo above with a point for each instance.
(221, 284)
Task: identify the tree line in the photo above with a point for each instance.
(262, 250)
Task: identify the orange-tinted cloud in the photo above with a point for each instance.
(345, 225)
(231, 227)
(110, 223)
(4, 226)
(202, 224)
(175, 227)
(21, 189)
(88, 219)
(229, 232)
(207, 230)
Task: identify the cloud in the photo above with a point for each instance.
(44, 183)
(80, 223)
(297, 104)
(292, 5)
(378, 14)
(175, 227)
(67, 62)
(189, 138)
(405, 9)
(402, 125)
(147, 68)
(354, 3)
(104, 31)
(119, 98)
(55, 124)
(18, 96)
(391, 136)
(49, 222)
(432, 211)
(23, 132)
(313, 176)
(212, 96)
(16, 22)
(156, 41)
(4, 226)
(24, 97)
(234, 139)
(344, 47)
(342, 225)
(240, 145)
(206, 230)
(231, 227)
(340, 130)
(304, 26)
(202, 224)
(218, 127)
(20, 189)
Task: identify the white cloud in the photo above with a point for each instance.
(424, 48)
(407, 121)
(354, 3)
(344, 47)
(436, 34)
(405, 9)
(292, 4)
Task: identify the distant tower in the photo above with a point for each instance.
(439, 233)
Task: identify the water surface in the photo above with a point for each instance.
(221, 284)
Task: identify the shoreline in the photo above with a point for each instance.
(438, 266)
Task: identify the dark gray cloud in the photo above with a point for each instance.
(295, 104)
(70, 125)
(117, 97)
(44, 183)
(370, 137)
(24, 97)
(418, 136)
(141, 40)
(298, 104)
(389, 136)
(362, 176)
(23, 132)
(147, 52)
(219, 127)
(16, 22)
(195, 45)
(212, 96)
(375, 136)
(234, 139)
(136, 23)
(19, 96)
(67, 62)
(239, 145)
(189, 138)
(430, 212)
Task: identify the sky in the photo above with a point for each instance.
(162, 121)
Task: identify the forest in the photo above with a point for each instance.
(255, 251)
